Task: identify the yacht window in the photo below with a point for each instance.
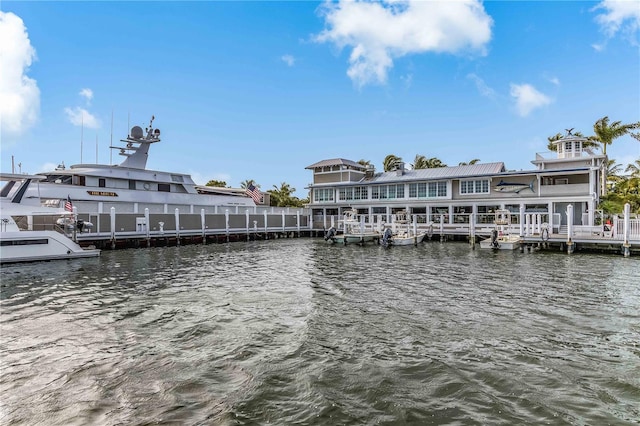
(102, 182)
(177, 178)
(23, 242)
(132, 184)
(79, 180)
(164, 187)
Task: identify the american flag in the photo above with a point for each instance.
(254, 193)
(68, 205)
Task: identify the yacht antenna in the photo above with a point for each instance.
(81, 134)
(111, 139)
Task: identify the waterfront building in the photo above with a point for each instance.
(572, 175)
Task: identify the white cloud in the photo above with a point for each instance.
(619, 16)
(289, 60)
(528, 98)
(81, 117)
(555, 80)
(87, 94)
(407, 80)
(482, 87)
(379, 32)
(19, 94)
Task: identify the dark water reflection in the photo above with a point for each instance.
(300, 332)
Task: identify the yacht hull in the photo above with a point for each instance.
(32, 246)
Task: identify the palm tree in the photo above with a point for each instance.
(420, 162)
(281, 197)
(433, 163)
(245, 184)
(633, 169)
(613, 173)
(364, 162)
(605, 133)
(474, 161)
(391, 162)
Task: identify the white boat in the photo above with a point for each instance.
(354, 231)
(32, 232)
(402, 231)
(501, 237)
(129, 186)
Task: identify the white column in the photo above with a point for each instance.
(177, 215)
(203, 222)
(112, 216)
(147, 222)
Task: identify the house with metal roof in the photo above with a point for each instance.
(573, 174)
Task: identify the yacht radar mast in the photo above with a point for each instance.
(136, 149)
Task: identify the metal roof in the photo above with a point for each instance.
(440, 173)
(335, 162)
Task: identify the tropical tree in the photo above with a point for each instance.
(282, 196)
(433, 163)
(391, 162)
(606, 133)
(633, 169)
(474, 161)
(245, 184)
(364, 162)
(623, 189)
(613, 173)
(217, 183)
(420, 162)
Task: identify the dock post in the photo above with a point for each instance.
(570, 245)
(472, 230)
(112, 216)
(441, 228)
(177, 214)
(146, 226)
(284, 231)
(626, 247)
(522, 231)
(203, 225)
(246, 215)
(266, 236)
(226, 222)
(298, 222)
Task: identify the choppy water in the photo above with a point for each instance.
(300, 332)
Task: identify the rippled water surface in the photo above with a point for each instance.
(296, 331)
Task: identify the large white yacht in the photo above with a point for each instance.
(130, 187)
(30, 232)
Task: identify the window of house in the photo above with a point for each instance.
(323, 194)
(480, 186)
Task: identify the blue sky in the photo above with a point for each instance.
(260, 90)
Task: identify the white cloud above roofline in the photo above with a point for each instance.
(618, 16)
(379, 32)
(527, 98)
(19, 94)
